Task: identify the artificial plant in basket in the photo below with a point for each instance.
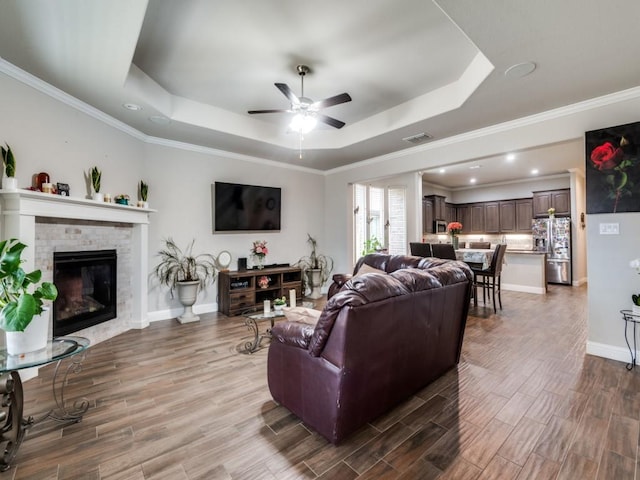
(21, 293)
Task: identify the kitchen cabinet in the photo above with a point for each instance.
(492, 217)
(463, 215)
(477, 218)
(507, 216)
(524, 215)
(450, 212)
(559, 199)
(427, 215)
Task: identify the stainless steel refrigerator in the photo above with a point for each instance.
(553, 235)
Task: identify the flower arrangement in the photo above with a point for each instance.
(635, 263)
(122, 199)
(259, 248)
(551, 211)
(263, 281)
(280, 301)
(454, 228)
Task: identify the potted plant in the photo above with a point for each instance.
(316, 268)
(372, 245)
(182, 270)
(635, 298)
(96, 176)
(21, 300)
(279, 304)
(9, 182)
(143, 191)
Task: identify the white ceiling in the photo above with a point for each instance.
(410, 66)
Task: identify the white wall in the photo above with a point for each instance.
(48, 135)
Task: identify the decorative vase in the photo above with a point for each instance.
(98, 197)
(635, 309)
(34, 337)
(187, 294)
(259, 260)
(277, 308)
(454, 242)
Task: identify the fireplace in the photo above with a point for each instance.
(86, 283)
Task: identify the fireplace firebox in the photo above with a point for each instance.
(86, 283)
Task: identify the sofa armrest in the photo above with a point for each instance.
(296, 334)
(339, 279)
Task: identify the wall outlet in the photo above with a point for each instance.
(609, 229)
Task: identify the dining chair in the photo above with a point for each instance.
(443, 250)
(419, 249)
(489, 279)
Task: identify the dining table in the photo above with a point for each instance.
(476, 257)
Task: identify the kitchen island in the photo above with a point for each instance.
(525, 271)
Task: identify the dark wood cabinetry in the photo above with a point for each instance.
(507, 220)
(463, 215)
(559, 199)
(492, 218)
(477, 218)
(524, 215)
(239, 292)
(433, 208)
(450, 212)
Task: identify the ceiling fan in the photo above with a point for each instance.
(307, 112)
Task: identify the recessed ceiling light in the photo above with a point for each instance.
(159, 119)
(132, 106)
(442, 170)
(520, 70)
(473, 180)
(534, 171)
(511, 157)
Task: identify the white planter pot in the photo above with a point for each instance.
(34, 337)
(314, 276)
(278, 308)
(635, 309)
(10, 183)
(98, 197)
(187, 294)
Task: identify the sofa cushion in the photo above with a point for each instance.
(302, 315)
(364, 268)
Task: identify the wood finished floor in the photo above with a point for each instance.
(179, 402)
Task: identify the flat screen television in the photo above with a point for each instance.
(245, 208)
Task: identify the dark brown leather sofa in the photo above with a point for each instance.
(380, 339)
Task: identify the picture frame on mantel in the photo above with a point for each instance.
(613, 169)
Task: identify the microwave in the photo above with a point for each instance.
(439, 226)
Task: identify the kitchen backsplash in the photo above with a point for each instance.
(513, 241)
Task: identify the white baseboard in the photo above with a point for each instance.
(175, 312)
(612, 352)
(580, 281)
(524, 288)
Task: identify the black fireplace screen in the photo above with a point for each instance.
(86, 283)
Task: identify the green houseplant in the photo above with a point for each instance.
(22, 295)
(372, 245)
(317, 267)
(143, 191)
(96, 176)
(9, 162)
(185, 272)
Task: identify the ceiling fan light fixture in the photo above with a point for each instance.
(303, 123)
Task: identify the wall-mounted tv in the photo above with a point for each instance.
(245, 208)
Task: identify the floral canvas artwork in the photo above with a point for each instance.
(613, 169)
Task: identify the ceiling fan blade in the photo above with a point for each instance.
(330, 121)
(329, 102)
(269, 111)
(284, 88)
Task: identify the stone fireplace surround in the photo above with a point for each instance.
(48, 223)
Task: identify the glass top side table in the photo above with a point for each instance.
(630, 317)
(11, 411)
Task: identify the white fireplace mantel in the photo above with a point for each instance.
(18, 212)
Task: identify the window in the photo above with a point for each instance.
(380, 219)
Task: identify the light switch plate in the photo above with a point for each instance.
(609, 229)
